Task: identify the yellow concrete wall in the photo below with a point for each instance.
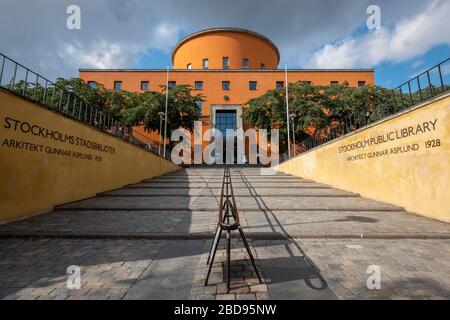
(33, 180)
(418, 180)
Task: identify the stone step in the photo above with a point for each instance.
(220, 179)
(296, 224)
(244, 204)
(170, 236)
(109, 222)
(238, 192)
(220, 175)
(262, 223)
(213, 184)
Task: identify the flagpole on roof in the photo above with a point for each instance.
(287, 110)
(165, 114)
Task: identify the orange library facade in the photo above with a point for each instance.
(228, 66)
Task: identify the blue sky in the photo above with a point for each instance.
(393, 74)
(413, 34)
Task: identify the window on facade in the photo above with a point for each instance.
(361, 84)
(189, 66)
(205, 63)
(92, 84)
(262, 66)
(198, 85)
(253, 85)
(280, 84)
(225, 62)
(199, 107)
(334, 83)
(226, 120)
(144, 85)
(245, 64)
(172, 84)
(117, 85)
(225, 85)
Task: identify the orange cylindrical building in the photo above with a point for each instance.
(224, 48)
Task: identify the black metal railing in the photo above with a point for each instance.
(423, 87)
(21, 80)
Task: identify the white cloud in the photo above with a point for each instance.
(417, 64)
(409, 38)
(165, 36)
(112, 55)
(101, 55)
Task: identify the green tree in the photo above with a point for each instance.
(182, 109)
(314, 108)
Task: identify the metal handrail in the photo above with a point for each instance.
(224, 207)
(31, 85)
(397, 100)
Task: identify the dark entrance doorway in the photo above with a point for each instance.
(227, 119)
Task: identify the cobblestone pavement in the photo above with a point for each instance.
(244, 283)
(151, 240)
(36, 269)
(409, 269)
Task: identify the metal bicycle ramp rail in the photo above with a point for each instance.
(227, 211)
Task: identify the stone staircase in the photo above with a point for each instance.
(179, 212)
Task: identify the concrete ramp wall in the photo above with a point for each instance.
(47, 159)
(403, 160)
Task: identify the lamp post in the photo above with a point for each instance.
(165, 114)
(161, 115)
(292, 116)
(287, 109)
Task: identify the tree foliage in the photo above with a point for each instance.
(182, 109)
(314, 108)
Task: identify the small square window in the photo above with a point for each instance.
(225, 63)
(280, 84)
(189, 66)
(205, 63)
(245, 64)
(334, 83)
(225, 85)
(198, 85)
(117, 85)
(92, 84)
(361, 84)
(172, 84)
(262, 66)
(145, 85)
(253, 85)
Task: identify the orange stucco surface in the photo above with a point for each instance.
(233, 45)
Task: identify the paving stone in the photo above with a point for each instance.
(225, 297)
(262, 296)
(259, 288)
(202, 297)
(245, 297)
